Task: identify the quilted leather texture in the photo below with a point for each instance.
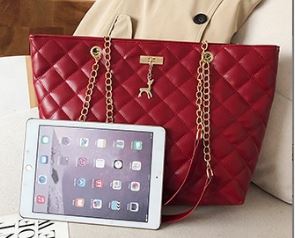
(242, 89)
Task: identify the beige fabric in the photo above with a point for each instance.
(170, 20)
(274, 168)
(262, 215)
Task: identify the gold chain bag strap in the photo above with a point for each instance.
(96, 53)
(203, 104)
(202, 108)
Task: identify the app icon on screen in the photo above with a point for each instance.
(82, 162)
(97, 183)
(136, 165)
(116, 184)
(40, 199)
(101, 143)
(118, 164)
(84, 142)
(65, 140)
(43, 159)
(79, 202)
(135, 186)
(99, 163)
(136, 145)
(115, 205)
(96, 203)
(80, 182)
(44, 139)
(42, 179)
(133, 207)
(119, 144)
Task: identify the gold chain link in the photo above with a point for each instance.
(96, 54)
(108, 82)
(150, 75)
(203, 104)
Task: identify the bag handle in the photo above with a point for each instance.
(178, 217)
(202, 113)
(209, 176)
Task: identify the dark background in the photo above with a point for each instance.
(20, 18)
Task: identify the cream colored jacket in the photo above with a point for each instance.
(167, 19)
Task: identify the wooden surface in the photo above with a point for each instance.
(20, 18)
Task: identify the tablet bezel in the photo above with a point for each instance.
(156, 183)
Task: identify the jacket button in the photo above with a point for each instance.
(200, 18)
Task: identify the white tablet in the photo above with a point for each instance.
(98, 173)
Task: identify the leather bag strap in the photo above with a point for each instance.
(188, 171)
(178, 217)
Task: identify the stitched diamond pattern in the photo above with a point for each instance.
(242, 89)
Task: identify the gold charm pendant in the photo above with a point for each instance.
(151, 61)
(148, 89)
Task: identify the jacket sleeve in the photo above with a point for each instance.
(244, 11)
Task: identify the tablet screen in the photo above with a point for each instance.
(99, 173)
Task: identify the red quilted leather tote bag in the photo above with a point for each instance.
(213, 100)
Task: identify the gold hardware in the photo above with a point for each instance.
(150, 81)
(207, 57)
(209, 171)
(108, 81)
(155, 60)
(203, 105)
(151, 61)
(96, 54)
